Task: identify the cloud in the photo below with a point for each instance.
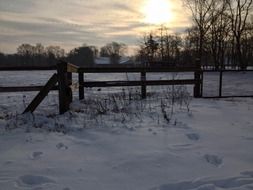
(72, 23)
(123, 7)
(16, 6)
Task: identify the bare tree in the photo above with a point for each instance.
(25, 50)
(218, 35)
(247, 43)
(159, 46)
(82, 56)
(238, 13)
(149, 47)
(114, 50)
(204, 13)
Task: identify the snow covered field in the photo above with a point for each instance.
(208, 147)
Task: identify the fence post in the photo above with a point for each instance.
(69, 77)
(65, 92)
(81, 89)
(220, 83)
(202, 83)
(197, 77)
(143, 86)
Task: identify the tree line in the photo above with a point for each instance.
(38, 55)
(221, 35)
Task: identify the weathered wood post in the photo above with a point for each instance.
(143, 86)
(65, 92)
(197, 77)
(81, 88)
(202, 83)
(69, 78)
(220, 83)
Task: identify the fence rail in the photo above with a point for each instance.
(138, 83)
(27, 68)
(136, 69)
(23, 88)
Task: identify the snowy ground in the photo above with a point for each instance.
(208, 147)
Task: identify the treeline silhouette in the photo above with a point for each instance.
(38, 55)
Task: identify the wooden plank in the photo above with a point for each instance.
(202, 83)
(138, 83)
(27, 68)
(63, 87)
(134, 69)
(220, 84)
(197, 77)
(81, 89)
(72, 68)
(42, 94)
(24, 88)
(143, 87)
(227, 70)
(229, 96)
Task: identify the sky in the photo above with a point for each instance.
(71, 23)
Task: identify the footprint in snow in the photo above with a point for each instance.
(193, 136)
(61, 146)
(248, 138)
(181, 145)
(239, 182)
(36, 155)
(37, 188)
(33, 180)
(8, 162)
(213, 159)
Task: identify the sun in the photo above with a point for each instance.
(157, 11)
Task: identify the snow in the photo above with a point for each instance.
(208, 147)
(106, 60)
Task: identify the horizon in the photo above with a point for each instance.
(71, 24)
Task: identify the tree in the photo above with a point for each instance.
(25, 50)
(54, 53)
(114, 51)
(218, 38)
(204, 13)
(82, 56)
(26, 53)
(149, 47)
(238, 14)
(39, 56)
(247, 44)
(161, 46)
(173, 44)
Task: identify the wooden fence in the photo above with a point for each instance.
(62, 81)
(220, 85)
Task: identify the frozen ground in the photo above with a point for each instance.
(208, 147)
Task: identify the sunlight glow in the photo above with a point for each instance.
(157, 11)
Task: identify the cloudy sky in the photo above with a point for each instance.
(71, 23)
